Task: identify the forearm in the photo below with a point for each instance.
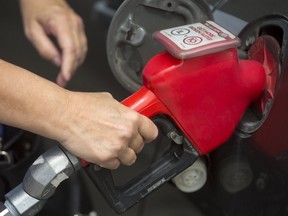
(92, 126)
(30, 102)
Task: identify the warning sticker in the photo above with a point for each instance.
(204, 37)
(192, 40)
(180, 31)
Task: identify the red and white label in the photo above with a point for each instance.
(198, 34)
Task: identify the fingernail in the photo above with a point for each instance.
(97, 167)
(141, 148)
(61, 81)
(57, 61)
(131, 162)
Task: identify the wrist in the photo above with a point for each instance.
(59, 119)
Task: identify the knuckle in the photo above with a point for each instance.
(134, 117)
(79, 21)
(104, 157)
(52, 21)
(107, 94)
(128, 157)
(120, 147)
(132, 161)
(112, 164)
(128, 130)
(29, 34)
(59, 16)
(115, 165)
(140, 148)
(84, 49)
(126, 133)
(69, 46)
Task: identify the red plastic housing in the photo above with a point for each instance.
(206, 95)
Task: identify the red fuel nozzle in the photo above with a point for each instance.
(207, 95)
(203, 87)
(206, 91)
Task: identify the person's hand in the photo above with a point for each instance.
(92, 126)
(101, 130)
(45, 18)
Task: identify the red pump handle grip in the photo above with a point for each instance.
(146, 103)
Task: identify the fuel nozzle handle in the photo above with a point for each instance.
(40, 182)
(180, 155)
